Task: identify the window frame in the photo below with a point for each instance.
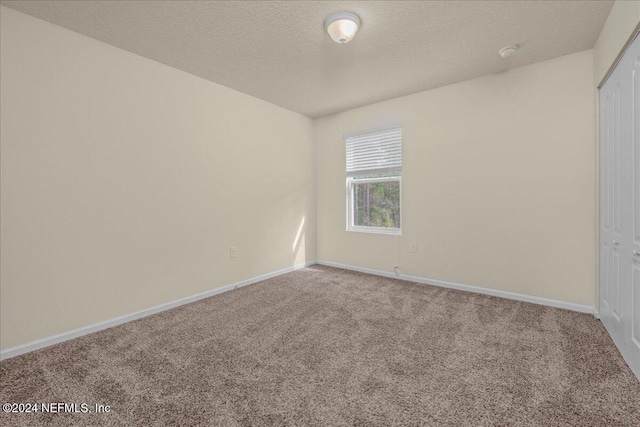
(351, 180)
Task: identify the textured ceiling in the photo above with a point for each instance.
(279, 51)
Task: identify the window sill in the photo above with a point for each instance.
(377, 230)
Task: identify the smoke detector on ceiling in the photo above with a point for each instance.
(507, 51)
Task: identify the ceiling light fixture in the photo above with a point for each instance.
(506, 52)
(342, 26)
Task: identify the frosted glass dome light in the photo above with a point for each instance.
(342, 26)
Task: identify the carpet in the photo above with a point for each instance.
(328, 347)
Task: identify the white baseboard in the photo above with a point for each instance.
(56, 339)
(65, 336)
(582, 308)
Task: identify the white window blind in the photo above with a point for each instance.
(374, 152)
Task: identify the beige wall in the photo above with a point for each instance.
(498, 183)
(622, 20)
(124, 182)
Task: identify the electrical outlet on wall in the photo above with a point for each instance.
(233, 252)
(413, 246)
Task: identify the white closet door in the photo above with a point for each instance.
(619, 296)
(610, 208)
(634, 297)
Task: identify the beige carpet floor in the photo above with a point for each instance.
(329, 347)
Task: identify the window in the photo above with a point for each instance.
(374, 167)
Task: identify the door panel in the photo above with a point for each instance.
(615, 288)
(619, 300)
(635, 332)
(634, 295)
(615, 158)
(636, 151)
(605, 168)
(611, 209)
(605, 271)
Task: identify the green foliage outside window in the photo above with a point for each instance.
(377, 204)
